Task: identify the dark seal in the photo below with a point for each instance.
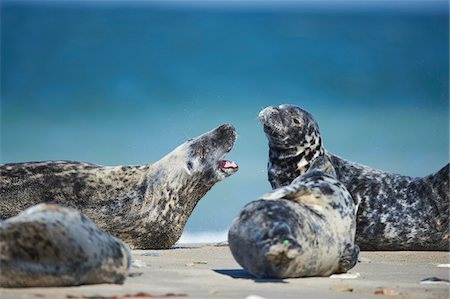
(396, 212)
(304, 229)
(146, 206)
(49, 245)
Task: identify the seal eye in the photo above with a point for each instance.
(296, 121)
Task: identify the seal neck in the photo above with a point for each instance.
(285, 164)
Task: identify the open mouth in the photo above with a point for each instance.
(228, 167)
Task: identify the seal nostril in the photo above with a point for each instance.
(225, 132)
(226, 127)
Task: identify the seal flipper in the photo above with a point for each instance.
(323, 164)
(292, 191)
(349, 258)
(280, 257)
(296, 189)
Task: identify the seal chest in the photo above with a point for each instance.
(304, 229)
(49, 245)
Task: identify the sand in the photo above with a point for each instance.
(209, 271)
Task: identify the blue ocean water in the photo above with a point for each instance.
(118, 83)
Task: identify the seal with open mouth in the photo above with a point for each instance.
(396, 212)
(146, 206)
(306, 228)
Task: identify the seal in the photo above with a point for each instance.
(146, 206)
(304, 229)
(396, 212)
(49, 245)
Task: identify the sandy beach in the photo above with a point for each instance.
(209, 271)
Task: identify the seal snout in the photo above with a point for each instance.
(267, 113)
(278, 120)
(271, 120)
(225, 137)
(226, 133)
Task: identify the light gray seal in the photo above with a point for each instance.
(396, 212)
(304, 229)
(145, 206)
(49, 245)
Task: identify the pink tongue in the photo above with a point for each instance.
(228, 164)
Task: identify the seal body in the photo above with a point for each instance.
(146, 206)
(304, 229)
(49, 245)
(396, 212)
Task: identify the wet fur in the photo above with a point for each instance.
(396, 212)
(146, 206)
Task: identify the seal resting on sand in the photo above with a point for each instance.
(396, 212)
(49, 245)
(304, 229)
(145, 206)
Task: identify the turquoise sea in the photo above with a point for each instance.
(122, 82)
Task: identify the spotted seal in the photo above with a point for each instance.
(396, 212)
(306, 228)
(146, 206)
(49, 245)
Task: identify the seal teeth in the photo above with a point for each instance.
(225, 164)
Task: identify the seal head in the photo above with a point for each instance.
(294, 141)
(205, 154)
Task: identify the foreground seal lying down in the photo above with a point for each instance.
(145, 206)
(304, 229)
(49, 245)
(396, 212)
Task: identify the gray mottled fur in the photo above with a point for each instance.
(306, 228)
(49, 245)
(146, 206)
(396, 212)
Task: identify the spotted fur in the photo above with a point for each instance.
(49, 245)
(396, 212)
(146, 206)
(306, 228)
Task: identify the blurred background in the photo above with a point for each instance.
(125, 82)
